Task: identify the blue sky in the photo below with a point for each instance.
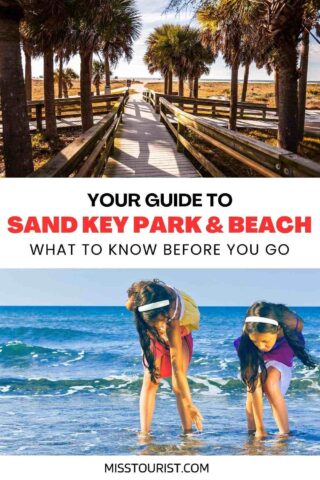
(208, 287)
(152, 16)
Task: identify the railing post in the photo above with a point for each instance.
(181, 130)
(39, 117)
(161, 112)
(122, 111)
(213, 111)
(195, 108)
(157, 97)
(112, 146)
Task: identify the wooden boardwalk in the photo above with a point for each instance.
(144, 147)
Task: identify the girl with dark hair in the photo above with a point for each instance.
(165, 318)
(270, 340)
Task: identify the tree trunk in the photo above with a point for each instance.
(303, 83)
(28, 76)
(181, 86)
(49, 106)
(288, 96)
(60, 82)
(90, 69)
(170, 83)
(276, 88)
(190, 81)
(166, 81)
(107, 74)
(234, 93)
(16, 135)
(196, 87)
(85, 86)
(97, 89)
(65, 89)
(245, 82)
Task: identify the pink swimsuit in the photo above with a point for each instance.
(163, 351)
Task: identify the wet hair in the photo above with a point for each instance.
(251, 358)
(143, 293)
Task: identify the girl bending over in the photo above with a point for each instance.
(270, 340)
(165, 318)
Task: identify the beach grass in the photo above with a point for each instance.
(37, 88)
(257, 92)
(309, 147)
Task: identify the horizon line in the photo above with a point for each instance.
(123, 306)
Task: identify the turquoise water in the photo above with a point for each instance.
(70, 379)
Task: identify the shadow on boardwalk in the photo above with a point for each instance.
(144, 147)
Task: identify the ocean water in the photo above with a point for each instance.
(70, 379)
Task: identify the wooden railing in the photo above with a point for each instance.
(87, 156)
(265, 159)
(207, 107)
(70, 107)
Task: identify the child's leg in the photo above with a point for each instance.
(273, 391)
(249, 411)
(147, 402)
(185, 417)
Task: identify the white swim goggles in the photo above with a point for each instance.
(256, 319)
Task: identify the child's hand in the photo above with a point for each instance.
(195, 416)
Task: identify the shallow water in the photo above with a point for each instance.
(70, 379)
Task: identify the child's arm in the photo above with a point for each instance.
(148, 399)
(257, 408)
(174, 337)
(249, 411)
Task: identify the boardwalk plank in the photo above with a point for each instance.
(144, 148)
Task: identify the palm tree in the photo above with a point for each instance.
(85, 35)
(67, 76)
(302, 86)
(159, 54)
(16, 135)
(199, 57)
(195, 72)
(58, 76)
(118, 36)
(310, 20)
(183, 40)
(28, 50)
(177, 49)
(283, 28)
(46, 25)
(98, 74)
(223, 31)
(280, 24)
(83, 39)
(247, 58)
